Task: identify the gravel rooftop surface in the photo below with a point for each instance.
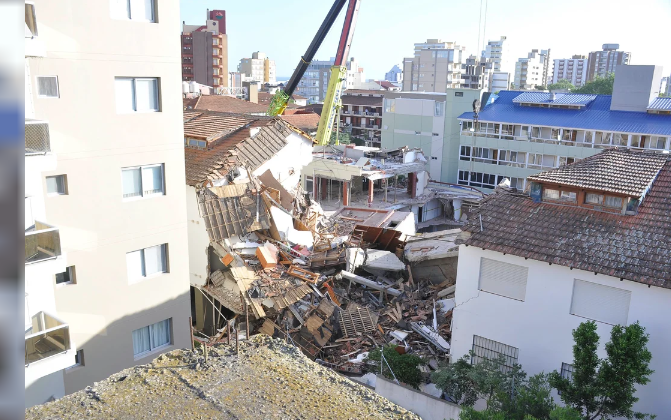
(268, 380)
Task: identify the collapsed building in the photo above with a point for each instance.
(316, 245)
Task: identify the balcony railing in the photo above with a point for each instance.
(43, 242)
(46, 337)
(38, 141)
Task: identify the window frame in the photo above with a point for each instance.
(510, 353)
(72, 275)
(129, 13)
(142, 195)
(65, 185)
(134, 95)
(144, 276)
(37, 85)
(154, 349)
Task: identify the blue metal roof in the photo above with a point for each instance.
(660, 104)
(594, 116)
(560, 98)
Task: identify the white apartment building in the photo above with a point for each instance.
(435, 67)
(533, 71)
(476, 73)
(580, 247)
(259, 68)
(500, 79)
(114, 181)
(573, 69)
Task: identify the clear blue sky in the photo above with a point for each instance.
(387, 29)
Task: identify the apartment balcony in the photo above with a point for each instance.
(48, 347)
(38, 141)
(43, 242)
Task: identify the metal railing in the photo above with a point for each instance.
(38, 141)
(46, 337)
(43, 242)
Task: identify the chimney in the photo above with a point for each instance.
(635, 87)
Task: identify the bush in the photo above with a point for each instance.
(404, 366)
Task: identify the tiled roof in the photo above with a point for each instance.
(189, 103)
(632, 247)
(213, 126)
(265, 97)
(189, 115)
(560, 98)
(660, 104)
(594, 116)
(316, 108)
(306, 122)
(222, 103)
(385, 84)
(614, 170)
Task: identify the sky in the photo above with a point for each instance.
(387, 29)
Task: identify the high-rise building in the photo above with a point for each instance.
(205, 51)
(395, 74)
(476, 73)
(573, 69)
(314, 83)
(436, 66)
(601, 63)
(259, 68)
(106, 241)
(499, 79)
(534, 70)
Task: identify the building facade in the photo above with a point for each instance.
(205, 51)
(601, 63)
(573, 69)
(477, 73)
(522, 133)
(500, 79)
(361, 115)
(428, 121)
(435, 67)
(314, 83)
(395, 74)
(535, 70)
(532, 269)
(115, 189)
(259, 68)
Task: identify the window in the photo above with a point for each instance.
(309, 184)
(142, 181)
(566, 371)
(568, 196)
(484, 348)
(389, 105)
(550, 194)
(459, 94)
(151, 337)
(136, 94)
(140, 10)
(591, 198)
(503, 279)
(439, 109)
(201, 144)
(146, 262)
(47, 86)
(600, 303)
(613, 201)
(79, 358)
(31, 23)
(67, 277)
(57, 184)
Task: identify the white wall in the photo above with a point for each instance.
(426, 406)
(42, 389)
(199, 240)
(292, 158)
(541, 326)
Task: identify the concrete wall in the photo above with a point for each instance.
(87, 49)
(541, 325)
(454, 106)
(635, 87)
(202, 58)
(199, 240)
(424, 405)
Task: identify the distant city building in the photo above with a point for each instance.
(205, 51)
(573, 69)
(361, 115)
(664, 88)
(435, 67)
(601, 63)
(395, 74)
(314, 83)
(534, 70)
(499, 79)
(259, 68)
(476, 73)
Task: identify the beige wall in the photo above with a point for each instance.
(86, 49)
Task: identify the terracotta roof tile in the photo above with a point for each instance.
(222, 103)
(306, 122)
(633, 247)
(212, 126)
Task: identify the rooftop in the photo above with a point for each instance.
(268, 379)
(614, 170)
(306, 122)
(221, 103)
(556, 99)
(595, 115)
(632, 247)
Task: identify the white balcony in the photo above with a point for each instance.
(48, 347)
(43, 242)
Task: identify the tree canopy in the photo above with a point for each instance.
(600, 85)
(562, 84)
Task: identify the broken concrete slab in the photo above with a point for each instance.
(431, 335)
(369, 283)
(285, 226)
(375, 261)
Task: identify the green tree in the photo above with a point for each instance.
(540, 87)
(343, 137)
(562, 84)
(455, 381)
(604, 388)
(405, 367)
(600, 85)
(559, 413)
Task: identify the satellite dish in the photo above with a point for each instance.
(476, 106)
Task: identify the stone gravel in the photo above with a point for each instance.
(269, 379)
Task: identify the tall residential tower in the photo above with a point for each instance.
(205, 51)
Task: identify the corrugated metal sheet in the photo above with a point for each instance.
(560, 98)
(595, 116)
(660, 104)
